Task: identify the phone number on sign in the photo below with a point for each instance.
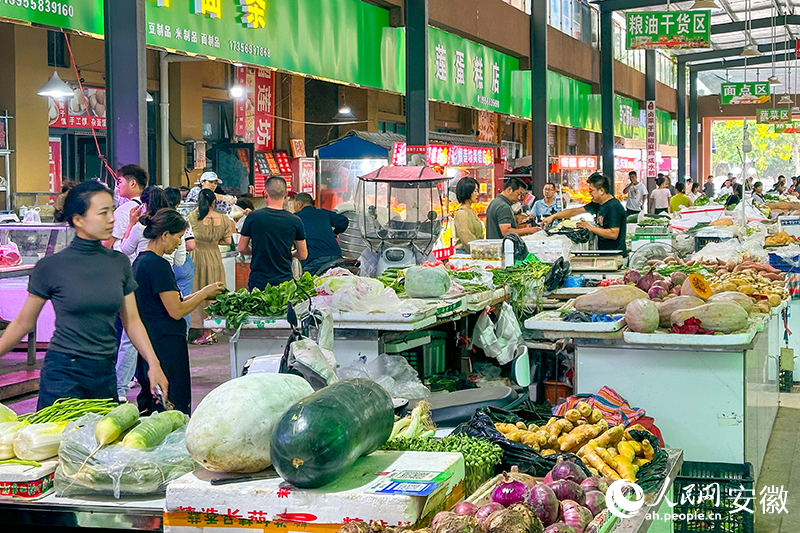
(247, 48)
(45, 6)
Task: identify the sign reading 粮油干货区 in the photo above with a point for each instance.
(668, 29)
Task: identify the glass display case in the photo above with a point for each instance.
(34, 241)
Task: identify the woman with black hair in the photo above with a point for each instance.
(466, 224)
(153, 198)
(88, 285)
(211, 229)
(163, 308)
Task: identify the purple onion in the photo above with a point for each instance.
(594, 483)
(484, 512)
(568, 490)
(595, 502)
(466, 508)
(567, 470)
(559, 527)
(509, 493)
(544, 503)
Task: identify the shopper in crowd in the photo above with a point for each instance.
(210, 181)
(548, 204)
(269, 234)
(181, 260)
(758, 192)
(467, 227)
(153, 198)
(672, 190)
(637, 194)
(247, 206)
(659, 199)
(500, 218)
(131, 181)
(695, 192)
(782, 180)
(163, 308)
(681, 199)
(708, 188)
(88, 285)
(211, 229)
(777, 190)
(321, 227)
(609, 215)
(727, 188)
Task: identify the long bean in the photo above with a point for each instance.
(68, 409)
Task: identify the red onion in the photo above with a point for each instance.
(544, 503)
(439, 516)
(484, 512)
(595, 502)
(594, 483)
(559, 527)
(568, 490)
(575, 515)
(567, 470)
(466, 508)
(509, 493)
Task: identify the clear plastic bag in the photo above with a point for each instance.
(726, 250)
(392, 372)
(306, 352)
(484, 337)
(509, 334)
(115, 470)
(340, 290)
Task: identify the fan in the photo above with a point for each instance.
(639, 258)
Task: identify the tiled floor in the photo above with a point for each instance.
(782, 468)
(210, 368)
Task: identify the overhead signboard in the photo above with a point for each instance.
(773, 116)
(745, 93)
(791, 127)
(668, 29)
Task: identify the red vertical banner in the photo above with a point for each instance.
(264, 123)
(307, 176)
(650, 140)
(240, 104)
(55, 164)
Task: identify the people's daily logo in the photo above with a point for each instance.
(618, 503)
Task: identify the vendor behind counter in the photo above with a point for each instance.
(609, 214)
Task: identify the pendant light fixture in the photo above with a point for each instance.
(705, 4)
(786, 99)
(345, 113)
(795, 109)
(56, 88)
(751, 50)
(773, 80)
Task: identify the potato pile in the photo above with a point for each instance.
(779, 239)
(767, 285)
(607, 451)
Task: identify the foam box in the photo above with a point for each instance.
(349, 498)
(21, 482)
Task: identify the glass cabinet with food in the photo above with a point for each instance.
(24, 244)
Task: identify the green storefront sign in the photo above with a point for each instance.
(773, 116)
(745, 93)
(668, 29)
(348, 41)
(791, 127)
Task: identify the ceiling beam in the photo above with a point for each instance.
(757, 24)
(722, 65)
(731, 52)
(617, 5)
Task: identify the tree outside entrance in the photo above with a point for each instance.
(773, 154)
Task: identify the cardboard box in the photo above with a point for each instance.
(392, 487)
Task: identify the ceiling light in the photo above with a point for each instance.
(237, 91)
(345, 113)
(750, 50)
(774, 80)
(785, 99)
(56, 88)
(796, 110)
(237, 64)
(705, 4)
(149, 97)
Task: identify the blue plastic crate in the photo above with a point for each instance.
(785, 265)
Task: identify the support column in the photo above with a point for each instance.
(539, 144)
(607, 93)
(681, 112)
(417, 110)
(693, 155)
(650, 96)
(126, 82)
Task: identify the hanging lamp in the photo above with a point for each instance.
(773, 80)
(56, 88)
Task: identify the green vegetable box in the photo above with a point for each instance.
(393, 486)
(22, 483)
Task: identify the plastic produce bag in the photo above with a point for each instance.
(726, 251)
(427, 282)
(509, 334)
(115, 470)
(339, 290)
(484, 337)
(305, 355)
(393, 373)
(32, 216)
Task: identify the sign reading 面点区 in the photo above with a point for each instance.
(668, 29)
(773, 116)
(745, 93)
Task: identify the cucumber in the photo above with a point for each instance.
(319, 438)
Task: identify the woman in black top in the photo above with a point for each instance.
(88, 285)
(163, 309)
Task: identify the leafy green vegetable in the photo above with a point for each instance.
(234, 307)
(524, 280)
(703, 200)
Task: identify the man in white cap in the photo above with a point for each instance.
(210, 180)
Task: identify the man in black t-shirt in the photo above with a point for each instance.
(608, 212)
(269, 234)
